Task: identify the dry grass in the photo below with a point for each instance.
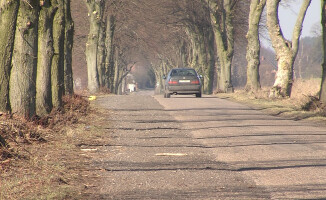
(304, 88)
(36, 156)
(303, 103)
(15, 131)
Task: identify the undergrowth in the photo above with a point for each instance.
(314, 104)
(16, 132)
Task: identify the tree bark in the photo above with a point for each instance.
(45, 56)
(101, 52)
(94, 12)
(210, 69)
(68, 45)
(57, 79)
(113, 70)
(116, 72)
(24, 61)
(8, 17)
(253, 47)
(183, 54)
(161, 73)
(286, 51)
(101, 58)
(118, 85)
(199, 61)
(201, 58)
(222, 22)
(109, 71)
(322, 96)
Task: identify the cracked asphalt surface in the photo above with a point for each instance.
(202, 148)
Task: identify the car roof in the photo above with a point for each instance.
(182, 69)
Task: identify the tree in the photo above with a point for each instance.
(95, 13)
(286, 51)
(109, 50)
(101, 51)
(8, 17)
(309, 59)
(24, 60)
(68, 45)
(32, 57)
(44, 59)
(57, 79)
(125, 71)
(222, 22)
(253, 47)
(116, 71)
(323, 22)
(198, 28)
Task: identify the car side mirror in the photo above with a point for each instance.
(200, 76)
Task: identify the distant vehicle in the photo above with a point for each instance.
(182, 81)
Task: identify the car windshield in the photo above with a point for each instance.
(183, 72)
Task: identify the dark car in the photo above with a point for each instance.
(182, 81)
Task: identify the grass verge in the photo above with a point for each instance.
(39, 158)
(303, 104)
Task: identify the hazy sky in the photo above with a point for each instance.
(288, 16)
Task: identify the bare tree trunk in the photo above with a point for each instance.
(112, 71)
(101, 53)
(158, 85)
(101, 58)
(57, 69)
(199, 62)
(323, 22)
(161, 73)
(8, 17)
(109, 71)
(45, 56)
(68, 45)
(183, 54)
(24, 60)
(116, 72)
(118, 84)
(286, 51)
(201, 56)
(192, 53)
(94, 12)
(300, 62)
(203, 62)
(123, 75)
(211, 61)
(222, 22)
(253, 47)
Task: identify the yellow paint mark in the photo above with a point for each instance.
(91, 98)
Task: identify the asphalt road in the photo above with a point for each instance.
(204, 148)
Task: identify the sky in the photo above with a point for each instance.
(288, 16)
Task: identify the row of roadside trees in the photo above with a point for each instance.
(37, 38)
(35, 55)
(202, 34)
(224, 20)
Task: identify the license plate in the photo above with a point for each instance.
(184, 81)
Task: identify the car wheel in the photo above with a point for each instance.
(198, 95)
(164, 95)
(168, 95)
